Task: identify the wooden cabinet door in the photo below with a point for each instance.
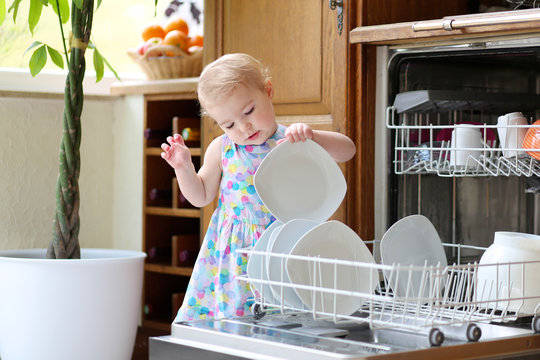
(299, 42)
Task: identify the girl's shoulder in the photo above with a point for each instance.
(280, 132)
(216, 146)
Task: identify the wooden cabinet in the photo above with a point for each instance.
(171, 226)
(299, 43)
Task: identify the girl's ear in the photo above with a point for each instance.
(269, 89)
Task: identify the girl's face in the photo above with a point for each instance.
(246, 115)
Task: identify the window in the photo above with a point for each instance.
(117, 26)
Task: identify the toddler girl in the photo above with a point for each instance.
(235, 90)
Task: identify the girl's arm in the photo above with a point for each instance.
(198, 188)
(339, 146)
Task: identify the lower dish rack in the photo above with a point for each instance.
(436, 300)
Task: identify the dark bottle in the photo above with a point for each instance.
(160, 194)
(191, 134)
(179, 200)
(159, 252)
(148, 309)
(186, 257)
(156, 134)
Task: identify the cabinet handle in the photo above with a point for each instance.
(339, 5)
(460, 22)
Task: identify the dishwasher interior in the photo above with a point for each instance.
(429, 93)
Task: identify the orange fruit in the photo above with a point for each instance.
(177, 24)
(176, 38)
(153, 30)
(196, 40)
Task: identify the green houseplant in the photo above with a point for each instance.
(65, 243)
(71, 303)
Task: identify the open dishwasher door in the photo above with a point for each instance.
(300, 337)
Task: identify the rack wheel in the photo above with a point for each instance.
(436, 337)
(473, 332)
(536, 324)
(258, 312)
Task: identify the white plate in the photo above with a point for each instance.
(332, 240)
(282, 243)
(300, 180)
(256, 266)
(412, 240)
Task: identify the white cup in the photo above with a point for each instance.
(467, 142)
(508, 272)
(511, 137)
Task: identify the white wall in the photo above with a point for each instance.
(128, 154)
(110, 180)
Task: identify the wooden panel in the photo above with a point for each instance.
(377, 12)
(402, 33)
(289, 44)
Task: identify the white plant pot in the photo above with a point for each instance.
(69, 309)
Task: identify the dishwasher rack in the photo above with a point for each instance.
(422, 146)
(437, 300)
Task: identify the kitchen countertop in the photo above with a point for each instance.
(144, 87)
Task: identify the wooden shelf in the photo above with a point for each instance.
(156, 151)
(163, 218)
(189, 213)
(160, 325)
(167, 269)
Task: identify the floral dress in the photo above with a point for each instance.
(238, 222)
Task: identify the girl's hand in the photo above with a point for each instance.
(176, 153)
(298, 132)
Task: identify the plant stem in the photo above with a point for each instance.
(65, 243)
(62, 32)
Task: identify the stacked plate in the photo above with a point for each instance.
(302, 186)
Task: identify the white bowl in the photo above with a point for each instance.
(510, 283)
(300, 180)
(332, 240)
(414, 241)
(282, 243)
(256, 266)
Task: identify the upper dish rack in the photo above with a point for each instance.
(423, 122)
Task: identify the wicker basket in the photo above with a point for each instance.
(158, 66)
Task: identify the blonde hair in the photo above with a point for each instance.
(219, 78)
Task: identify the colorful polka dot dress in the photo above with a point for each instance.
(238, 222)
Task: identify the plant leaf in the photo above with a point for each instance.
(98, 65)
(98, 4)
(78, 3)
(64, 9)
(56, 57)
(2, 11)
(109, 66)
(33, 45)
(15, 8)
(38, 60)
(34, 14)
(44, 2)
